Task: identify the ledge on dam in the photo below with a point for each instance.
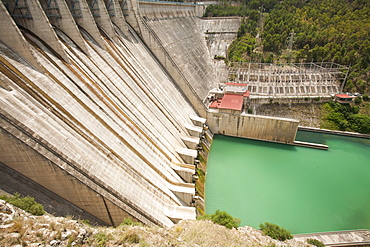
(102, 104)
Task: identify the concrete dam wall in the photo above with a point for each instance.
(280, 130)
(173, 34)
(88, 113)
(102, 106)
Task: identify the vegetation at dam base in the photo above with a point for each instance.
(330, 31)
(27, 203)
(275, 231)
(221, 218)
(18, 228)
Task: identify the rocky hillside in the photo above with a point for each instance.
(19, 228)
(309, 115)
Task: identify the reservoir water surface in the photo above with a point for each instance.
(304, 190)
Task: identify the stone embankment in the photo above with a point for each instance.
(18, 228)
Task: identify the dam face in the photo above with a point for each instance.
(98, 102)
(103, 106)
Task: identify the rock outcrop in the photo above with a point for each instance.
(19, 228)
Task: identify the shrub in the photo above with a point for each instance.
(204, 217)
(365, 97)
(358, 100)
(27, 203)
(315, 242)
(100, 239)
(275, 231)
(129, 222)
(221, 218)
(132, 238)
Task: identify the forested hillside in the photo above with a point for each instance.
(320, 30)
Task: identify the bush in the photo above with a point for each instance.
(221, 218)
(100, 239)
(129, 222)
(275, 231)
(132, 238)
(315, 242)
(27, 203)
(358, 100)
(365, 97)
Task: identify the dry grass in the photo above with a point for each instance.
(57, 231)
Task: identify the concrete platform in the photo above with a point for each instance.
(339, 238)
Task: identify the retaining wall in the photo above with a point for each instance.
(280, 130)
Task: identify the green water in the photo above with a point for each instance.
(302, 189)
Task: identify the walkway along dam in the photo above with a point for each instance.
(102, 107)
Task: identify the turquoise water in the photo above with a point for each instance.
(302, 189)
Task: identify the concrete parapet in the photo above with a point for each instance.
(220, 24)
(12, 37)
(158, 10)
(274, 129)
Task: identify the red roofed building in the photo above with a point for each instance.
(344, 98)
(232, 100)
(231, 103)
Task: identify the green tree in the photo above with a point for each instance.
(359, 123)
(315, 242)
(358, 100)
(221, 218)
(275, 231)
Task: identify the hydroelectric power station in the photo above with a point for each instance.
(104, 106)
